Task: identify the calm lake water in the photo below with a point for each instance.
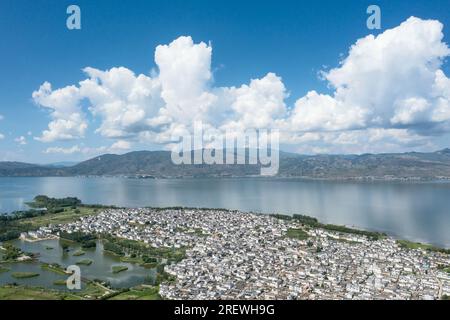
(50, 251)
(414, 211)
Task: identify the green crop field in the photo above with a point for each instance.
(297, 234)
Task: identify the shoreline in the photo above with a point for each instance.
(355, 228)
(302, 178)
(381, 179)
(26, 239)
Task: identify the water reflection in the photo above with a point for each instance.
(50, 251)
(415, 211)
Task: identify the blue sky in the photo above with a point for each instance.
(292, 39)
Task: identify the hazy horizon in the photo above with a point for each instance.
(68, 161)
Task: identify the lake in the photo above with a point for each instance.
(50, 251)
(413, 211)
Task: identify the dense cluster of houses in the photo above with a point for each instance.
(237, 255)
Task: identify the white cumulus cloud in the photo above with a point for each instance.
(21, 140)
(395, 79)
(71, 150)
(388, 91)
(125, 102)
(68, 119)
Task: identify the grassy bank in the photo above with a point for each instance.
(139, 293)
(91, 292)
(60, 282)
(21, 292)
(314, 223)
(417, 245)
(27, 293)
(66, 216)
(117, 269)
(44, 211)
(24, 275)
(3, 269)
(85, 262)
(78, 253)
(53, 268)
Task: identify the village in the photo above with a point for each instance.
(239, 255)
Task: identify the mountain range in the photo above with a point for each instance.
(158, 164)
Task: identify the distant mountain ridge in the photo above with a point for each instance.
(158, 164)
(61, 164)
